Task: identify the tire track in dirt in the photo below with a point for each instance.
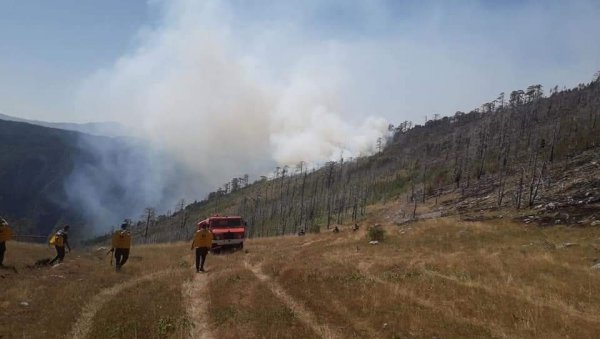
(195, 293)
(404, 293)
(555, 306)
(83, 325)
(303, 314)
(360, 325)
(312, 242)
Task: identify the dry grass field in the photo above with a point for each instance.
(84, 297)
(433, 278)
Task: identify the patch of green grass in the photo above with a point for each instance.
(165, 326)
(398, 273)
(375, 233)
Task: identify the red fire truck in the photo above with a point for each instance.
(228, 231)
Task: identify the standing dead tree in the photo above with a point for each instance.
(518, 195)
(482, 150)
(182, 213)
(537, 174)
(149, 214)
(329, 183)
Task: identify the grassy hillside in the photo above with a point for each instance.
(433, 278)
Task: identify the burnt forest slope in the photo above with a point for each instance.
(513, 152)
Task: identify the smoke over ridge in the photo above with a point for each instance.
(193, 87)
(220, 105)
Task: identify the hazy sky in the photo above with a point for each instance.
(241, 86)
(285, 81)
(48, 47)
(408, 58)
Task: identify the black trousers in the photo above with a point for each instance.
(121, 255)
(201, 253)
(60, 254)
(2, 250)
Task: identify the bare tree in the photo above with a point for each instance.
(330, 171)
(235, 184)
(519, 190)
(516, 98)
(304, 177)
(182, 213)
(379, 144)
(500, 100)
(537, 174)
(149, 214)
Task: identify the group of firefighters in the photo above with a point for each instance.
(121, 244)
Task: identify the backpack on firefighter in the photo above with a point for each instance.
(121, 239)
(57, 239)
(121, 243)
(5, 231)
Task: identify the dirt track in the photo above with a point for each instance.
(301, 312)
(194, 294)
(83, 324)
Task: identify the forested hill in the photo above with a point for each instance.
(34, 161)
(108, 129)
(512, 150)
(51, 176)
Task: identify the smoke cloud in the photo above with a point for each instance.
(234, 87)
(116, 178)
(193, 87)
(220, 88)
(221, 106)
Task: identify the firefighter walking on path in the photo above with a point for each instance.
(202, 243)
(5, 235)
(121, 243)
(60, 239)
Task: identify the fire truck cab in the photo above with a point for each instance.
(228, 231)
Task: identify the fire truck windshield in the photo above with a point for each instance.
(225, 223)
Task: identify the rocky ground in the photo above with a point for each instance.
(569, 195)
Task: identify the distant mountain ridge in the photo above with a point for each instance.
(51, 176)
(34, 160)
(108, 129)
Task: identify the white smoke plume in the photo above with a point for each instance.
(235, 87)
(116, 178)
(221, 102)
(228, 103)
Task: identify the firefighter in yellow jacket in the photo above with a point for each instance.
(121, 243)
(60, 239)
(202, 243)
(5, 235)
